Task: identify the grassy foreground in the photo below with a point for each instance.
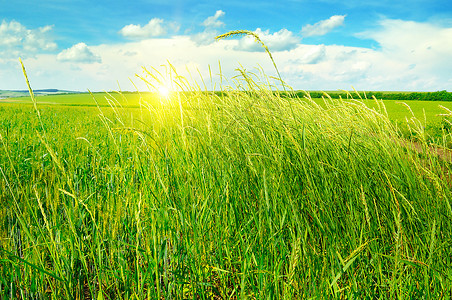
(198, 197)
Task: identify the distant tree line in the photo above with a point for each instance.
(426, 96)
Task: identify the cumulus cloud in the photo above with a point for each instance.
(130, 53)
(311, 55)
(411, 39)
(390, 67)
(411, 56)
(213, 21)
(210, 24)
(277, 41)
(426, 47)
(17, 40)
(323, 27)
(332, 67)
(155, 28)
(320, 67)
(79, 53)
(204, 38)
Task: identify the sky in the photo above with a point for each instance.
(386, 45)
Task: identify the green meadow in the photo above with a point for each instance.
(126, 99)
(251, 194)
(428, 111)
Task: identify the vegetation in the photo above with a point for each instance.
(419, 96)
(196, 196)
(86, 99)
(430, 112)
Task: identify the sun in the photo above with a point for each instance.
(163, 91)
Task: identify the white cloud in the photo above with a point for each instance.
(323, 27)
(366, 69)
(411, 56)
(277, 41)
(311, 55)
(180, 51)
(154, 28)
(17, 40)
(425, 47)
(207, 36)
(130, 53)
(412, 40)
(336, 67)
(213, 21)
(79, 53)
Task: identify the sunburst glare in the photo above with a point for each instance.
(164, 91)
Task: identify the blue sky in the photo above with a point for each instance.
(328, 45)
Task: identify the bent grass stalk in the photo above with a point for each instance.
(259, 41)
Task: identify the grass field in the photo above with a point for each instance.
(428, 114)
(84, 99)
(195, 196)
(395, 109)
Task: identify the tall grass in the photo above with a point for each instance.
(197, 196)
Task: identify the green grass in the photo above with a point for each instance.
(428, 112)
(86, 99)
(395, 109)
(248, 195)
(432, 117)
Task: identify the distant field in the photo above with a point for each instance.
(83, 99)
(428, 111)
(422, 110)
